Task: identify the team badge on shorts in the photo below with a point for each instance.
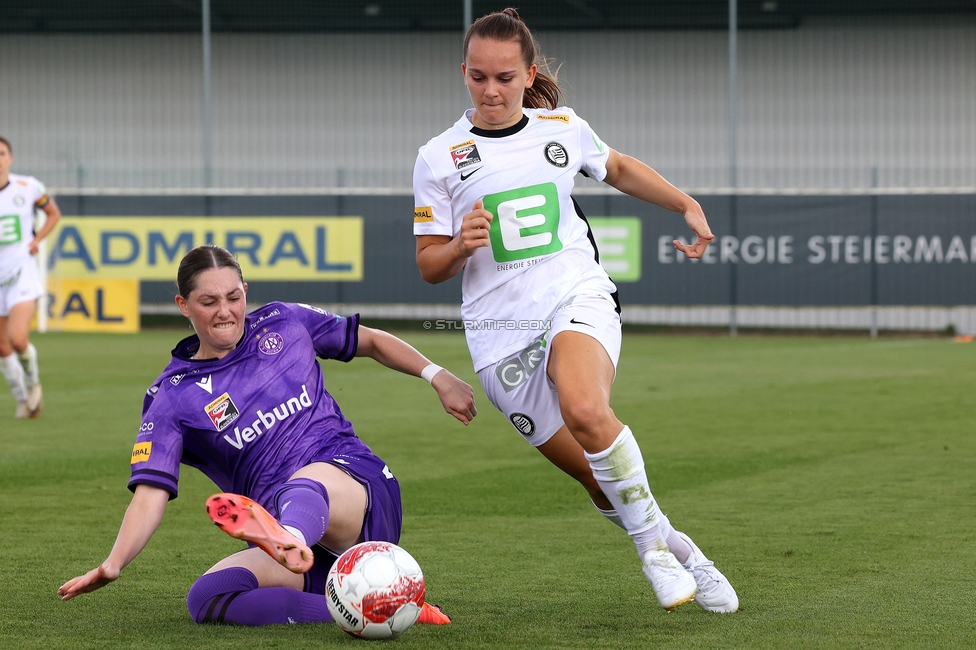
(465, 154)
(556, 154)
(523, 423)
(222, 411)
(271, 343)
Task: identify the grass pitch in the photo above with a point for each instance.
(832, 479)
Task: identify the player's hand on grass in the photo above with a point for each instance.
(698, 224)
(474, 230)
(457, 396)
(94, 579)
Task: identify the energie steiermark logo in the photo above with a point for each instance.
(526, 222)
(10, 229)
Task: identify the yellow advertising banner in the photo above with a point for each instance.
(150, 248)
(93, 305)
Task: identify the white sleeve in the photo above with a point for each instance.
(432, 204)
(595, 153)
(38, 189)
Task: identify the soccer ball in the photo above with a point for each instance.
(375, 590)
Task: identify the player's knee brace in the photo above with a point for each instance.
(212, 593)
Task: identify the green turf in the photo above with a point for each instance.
(832, 479)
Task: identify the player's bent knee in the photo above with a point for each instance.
(586, 417)
(19, 344)
(211, 590)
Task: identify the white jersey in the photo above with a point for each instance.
(18, 200)
(541, 247)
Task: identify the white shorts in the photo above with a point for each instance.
(519, 386)
(23, 287)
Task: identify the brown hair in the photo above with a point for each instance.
(507, 26)
(7, 142)
(200, 259)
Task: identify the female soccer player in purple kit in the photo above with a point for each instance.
(244, 401)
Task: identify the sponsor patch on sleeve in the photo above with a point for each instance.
(141, 452)
(424, 214)
(558, 118)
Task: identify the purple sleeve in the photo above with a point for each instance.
(158, 449)
(333, 337)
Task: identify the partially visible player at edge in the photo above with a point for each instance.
(20, 282)
(244, 401)
(493, 198)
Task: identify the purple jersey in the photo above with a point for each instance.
(250, 420)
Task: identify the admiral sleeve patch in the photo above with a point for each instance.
(423, 214)
(141, 452)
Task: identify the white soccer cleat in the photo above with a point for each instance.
(715, 592)
(22, 411)
(35, 400)
(672, 583)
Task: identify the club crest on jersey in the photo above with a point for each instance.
(19, 200)
(222, 411)
(556, 154)
(176, 379)
(465, 154)
(271, 343)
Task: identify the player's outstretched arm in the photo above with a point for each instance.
(633, 177)
(456, 396)
(141, 520)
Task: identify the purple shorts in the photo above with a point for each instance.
(384, 510)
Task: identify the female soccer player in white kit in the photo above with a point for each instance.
(541, 316)
(20, 282)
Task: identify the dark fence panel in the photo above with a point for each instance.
(769, 250)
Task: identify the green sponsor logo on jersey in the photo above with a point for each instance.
(525, 224)
(9, 229)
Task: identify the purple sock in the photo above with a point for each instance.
(232, 597)
(303, 504)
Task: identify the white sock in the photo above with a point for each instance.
(14, 374)
(619, 470)
(611, 515)
(678, 546)
(28, 361)
(297, 533)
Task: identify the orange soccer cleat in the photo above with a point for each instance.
(432, 615)
(246, 520)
